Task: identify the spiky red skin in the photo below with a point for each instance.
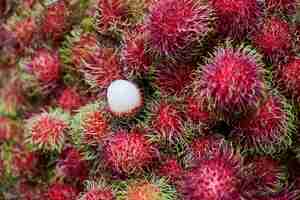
(25, 30)
(171, 169)
(102, 67)
(128, 153)
(173, 79)
(167, 121)
(134, 54)
(175, 25)
(98, 194)
(211, 180)
(265, 128)
(288, 79)
(24, 163)
(281, 6)
(284, 195)
(232, 83)
(26, 191)
(112, 12)
(196, 112)
(45, 66)
(69, 99)
(58, 191)
(55, 21)
(274, 38)
(143, 190)
(82, 49)
(48, 131)
(71, 164)
(95, 128)
(236, 19)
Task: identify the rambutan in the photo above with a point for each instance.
(236, 19)
(288, 80)
(176, 25)
(156, 189)
(173, 79)
(59, 191)
(69, 99)
(101, 68)
(71, 164)
(128, 153)
(232, 83)
(274, 39)
(97, 192)
(170, 169)
(25, 31)
(91, 124)
(286, 194)
(269, 129)
(124, 98)
(166, 121)
(47, 130)
(55, 21)
(282, 6)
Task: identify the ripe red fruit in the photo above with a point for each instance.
(128, 153)
(281, 6)
(171, 169)
(274, 38)
(98, 194)
(269, 129)
(55, 21)
(71, 164)
(232, 83)
(176, 25)
(59, 191)
(236, 18)
(47, 131)
(25, 30)
(196, 112)
(69, 99)
(288, 79)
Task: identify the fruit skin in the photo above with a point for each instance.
(176, 25)
(25, 31)
(236, 19)
(47, 130)
(286, 194)
(282, 6)
(58, 191)
(128, 153)
(98, 194)
(274, 39)
(269, 129)
(287, 79)
(171, 169)
(69, 99)
(232, 84)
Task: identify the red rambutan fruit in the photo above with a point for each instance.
(134, 55)
(274, 39)
(97, 191)
(236, 19)
(173, 79)
(287, 78)
(101, 68)
(69, 99)
(176, 25)
(166, 121)
(71, 164)
(55, 21)
(47, 130)
(170, 169)
(232, 83)
(217, 178)
(58, 191)
(25, 30)
(269, 129)
(282, 6)
(128, 153)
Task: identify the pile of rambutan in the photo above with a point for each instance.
(149, 99)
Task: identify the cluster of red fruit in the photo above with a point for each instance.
(220, 95)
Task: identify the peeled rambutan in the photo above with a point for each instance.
(176, 25)
(274, 39)
(282, 6)
(69, 99)
(128, 153)
(101, 68)
(71, 164)
(55, 21)
(287, 78)
(47, 130)
(232, 83)
(173, 79)
(97, 192)
(269, 129)
(59, 191)
(90, 125)
(134, 55)
(236, 19)
(171, 169)
(166, 121)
